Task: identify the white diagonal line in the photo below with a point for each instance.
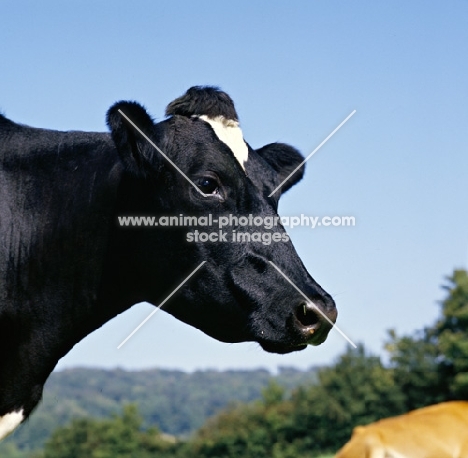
(313, 305)
(312, 153)
(158, 307)
(161, 152)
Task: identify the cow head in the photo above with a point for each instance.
(238, 295)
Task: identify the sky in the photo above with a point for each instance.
(295, 70)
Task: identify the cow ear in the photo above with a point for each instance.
(284, 159)
(127, 121)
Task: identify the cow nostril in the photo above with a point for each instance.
(306, 315)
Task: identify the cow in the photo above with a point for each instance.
(67, 266)
(437, 431)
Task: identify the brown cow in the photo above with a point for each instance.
(438, 431)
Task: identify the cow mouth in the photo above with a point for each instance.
(281, 349)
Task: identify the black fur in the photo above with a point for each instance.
(139, 161)
(203, 100)
(284, 159)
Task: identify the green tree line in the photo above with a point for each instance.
(177, 402)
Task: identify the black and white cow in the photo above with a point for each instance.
(67, 267)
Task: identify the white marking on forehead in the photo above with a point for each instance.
(229, 132)
(9, 422)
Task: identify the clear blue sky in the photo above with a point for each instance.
(295, 70)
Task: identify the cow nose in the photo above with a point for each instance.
(313, 320)
(307, 315)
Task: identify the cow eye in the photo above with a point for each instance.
(208, 185)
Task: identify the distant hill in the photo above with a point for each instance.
(176, 402)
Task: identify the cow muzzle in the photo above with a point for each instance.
(313, 320)
(308, 323)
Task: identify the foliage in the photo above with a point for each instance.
(317, 418)
(415, 361)
(11, 450)
(357, 390)
(249, 431)
(175, 402)
(118, 437)
(452, 332)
